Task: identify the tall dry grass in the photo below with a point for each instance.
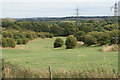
(113, 47)
(14, 71)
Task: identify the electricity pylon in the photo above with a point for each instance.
(77, 15)
(115, 8)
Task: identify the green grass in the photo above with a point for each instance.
(40, 54)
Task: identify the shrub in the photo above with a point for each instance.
(24, 40)
(19, 41)
(90, 40)
(71, 42)
(11, 42)
(4, 42)
(58, 43)
(51, 36)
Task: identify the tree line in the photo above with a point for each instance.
(99, 31)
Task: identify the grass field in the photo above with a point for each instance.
(39, 54)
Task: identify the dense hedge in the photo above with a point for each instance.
(71, 42)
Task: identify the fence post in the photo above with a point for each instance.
(50, 71)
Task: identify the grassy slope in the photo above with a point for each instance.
(40, 54)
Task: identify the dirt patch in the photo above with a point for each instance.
(35, 40)
(11, 48)
(80, 42)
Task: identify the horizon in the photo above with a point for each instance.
(56, 17)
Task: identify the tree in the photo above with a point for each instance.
(56, 30)
(79, 35)
(44, 27)
(90, 40)
(104, 38)
(69, 28)
(71, 42)
(58, 43)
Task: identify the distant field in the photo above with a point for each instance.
(39, 54)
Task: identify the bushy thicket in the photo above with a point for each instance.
(58, 43)
(71, 42)
(21, 37)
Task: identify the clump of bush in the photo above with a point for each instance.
(58, 43)
(71, 42)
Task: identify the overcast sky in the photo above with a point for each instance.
(55, 8)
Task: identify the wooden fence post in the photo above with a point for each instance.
(50, 71)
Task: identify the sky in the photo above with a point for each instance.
(54, 8)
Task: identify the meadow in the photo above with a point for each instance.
(39, 54)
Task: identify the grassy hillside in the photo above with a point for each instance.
(39, 54)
